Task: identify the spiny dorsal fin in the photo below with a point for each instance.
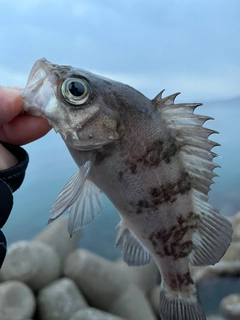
(192, 139)
(158, 97)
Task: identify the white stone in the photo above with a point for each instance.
(56, 236)
(145, 277)
(133, 304)
(230, 307)
(32, 262)
(155, 298)
(17, 301)
(93, 314)
(98, 279)
(60, 300)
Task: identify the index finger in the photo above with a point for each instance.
(11, 104)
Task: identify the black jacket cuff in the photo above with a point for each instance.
(14, 176)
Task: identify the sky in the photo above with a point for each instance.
(191, 46)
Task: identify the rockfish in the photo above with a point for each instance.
(152, 159)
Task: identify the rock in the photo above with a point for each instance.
(200, 273)
(214, 318)
(97, 278)
(56, 236)
(133, 304)
(16, 301)
(155, 298)
(1, 276)
(236, 227)
(32, 262)
(230, 307)
(60, 300)
(145, 277)
(93, 314)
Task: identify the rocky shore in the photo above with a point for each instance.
(50, 278)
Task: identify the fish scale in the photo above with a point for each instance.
(152, 159)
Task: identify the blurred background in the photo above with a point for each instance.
(191, 46)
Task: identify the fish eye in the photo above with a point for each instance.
(75, 91)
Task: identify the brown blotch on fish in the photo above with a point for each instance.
(179, 281)
(144, 204)
(132, 166)
(169, 152)
(170, 242)
(166, 193)
(120, 174)
(157, 152)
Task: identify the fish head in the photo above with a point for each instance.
(75, 102)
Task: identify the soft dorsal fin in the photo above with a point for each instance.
(214, 232)
(134, 252)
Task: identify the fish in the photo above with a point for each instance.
(152, 158)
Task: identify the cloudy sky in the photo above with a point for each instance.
(192, 46)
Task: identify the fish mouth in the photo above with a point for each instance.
(38, 90)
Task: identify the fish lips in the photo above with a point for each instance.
(38, 90)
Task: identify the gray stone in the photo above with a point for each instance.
(155, 298)
(1, 276)
(17, 301)
(98, 279)
(145, 277)
(56, 236)
(60, 300)
(214, 318)
(32, 262)
(133, 304)
(236, 227)
(93, 314)
(230, 307)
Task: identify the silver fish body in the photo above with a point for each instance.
(153, 160)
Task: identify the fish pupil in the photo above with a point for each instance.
(76, 88)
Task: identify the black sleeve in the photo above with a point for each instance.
(14, 176)
(10, 180)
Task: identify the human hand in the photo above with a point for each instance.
(16, 127)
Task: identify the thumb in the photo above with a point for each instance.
(11, 104)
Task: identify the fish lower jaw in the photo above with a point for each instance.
(30, 110)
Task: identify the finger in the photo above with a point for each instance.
(24, 129)
(11, 104)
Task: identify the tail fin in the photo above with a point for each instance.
(180, 306)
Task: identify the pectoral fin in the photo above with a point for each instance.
(87, 208)
(71, 191)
